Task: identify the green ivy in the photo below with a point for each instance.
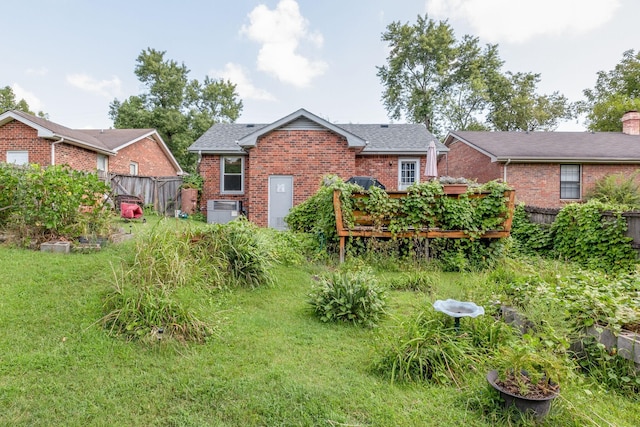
(593, 235)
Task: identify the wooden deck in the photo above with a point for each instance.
(363, 224)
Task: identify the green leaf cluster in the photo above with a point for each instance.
(593, 235)
(353, 297)
(180, 109)
(39, 203)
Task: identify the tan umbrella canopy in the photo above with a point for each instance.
(431, 171)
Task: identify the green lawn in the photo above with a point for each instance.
(273, 364)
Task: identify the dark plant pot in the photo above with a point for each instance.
(539, 407)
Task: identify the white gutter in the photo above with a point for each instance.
(53, 150)
(504, 174)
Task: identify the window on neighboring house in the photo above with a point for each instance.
(570, 181)
(103, 163)
(133, 168)
(18, 157)
(232, 174)
(408, 172)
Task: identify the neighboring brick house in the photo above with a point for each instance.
(547, 169)
(25, 138)
(272, 167)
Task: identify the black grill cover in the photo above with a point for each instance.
(365, 182)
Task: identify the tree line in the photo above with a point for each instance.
(430, 77)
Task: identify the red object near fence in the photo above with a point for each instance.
(130, 210)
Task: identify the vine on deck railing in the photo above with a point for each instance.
(427, 206)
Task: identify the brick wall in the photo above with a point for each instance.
(149, 156)
(76, 157)
(305, 155)
(17, 136)
(464, 161)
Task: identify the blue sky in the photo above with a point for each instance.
(71, 58)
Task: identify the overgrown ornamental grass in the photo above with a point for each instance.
(272, 361)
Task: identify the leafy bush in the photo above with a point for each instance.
(593, 235)
(247, 255)
(617, 189)
(529, 238)
(53, 202)
(348, 297)
(9, 179)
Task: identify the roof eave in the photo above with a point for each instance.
(567, 160)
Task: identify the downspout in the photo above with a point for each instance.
(53, 150)
(504, 174)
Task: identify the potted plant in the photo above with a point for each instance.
(527, 374)
(451, 185)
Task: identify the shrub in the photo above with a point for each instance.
(47, 203)
(618, 189)
(585, 234)
(348, 297)
(415, 281)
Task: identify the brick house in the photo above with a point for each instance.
(272, 167)
(25, 138)
(547, 169)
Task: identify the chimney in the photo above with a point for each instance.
(631, 123)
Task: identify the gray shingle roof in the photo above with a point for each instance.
(380, 138)
(595, 147)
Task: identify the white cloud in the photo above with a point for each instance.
(280, 32)
(238, 76)
(35, 104)
(517, 21)
(107, 88)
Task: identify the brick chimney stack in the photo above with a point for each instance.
(631, 123)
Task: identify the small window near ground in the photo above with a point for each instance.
(133, 168)
(18, 157)
(103, 163)
(570, 182)
(232, 174)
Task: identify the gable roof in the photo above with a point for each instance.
(103, 141)
(397, 139)
(552, 147)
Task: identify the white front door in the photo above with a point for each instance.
(280, 200)
(408, 172)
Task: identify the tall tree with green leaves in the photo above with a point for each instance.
(616, 92)
(8, 102)
(181, 110)
(515, 105)
(449, 84)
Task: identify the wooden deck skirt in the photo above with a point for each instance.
(363, 225)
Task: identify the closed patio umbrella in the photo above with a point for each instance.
(431, 171)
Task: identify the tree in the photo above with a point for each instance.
(8, 102)
(516, 106)
(431, 77)
(615, 93)
(181, 110)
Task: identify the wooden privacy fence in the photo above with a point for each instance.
(548, 215)
(363, 225)
(163, 192)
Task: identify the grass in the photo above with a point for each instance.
(274, 364)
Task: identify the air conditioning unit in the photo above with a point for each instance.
(223, 211)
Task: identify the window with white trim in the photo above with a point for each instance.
(408, 172)
(103, 162)
(133, 168)
(18, 157)
(232, 174)
(570, 182)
